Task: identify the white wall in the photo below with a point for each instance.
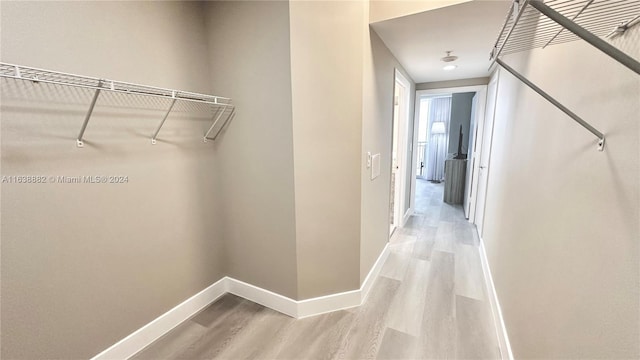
(562, 219)
(84, 265)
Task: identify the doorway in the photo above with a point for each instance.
(433, 130)
(453, 144)
(399, 165)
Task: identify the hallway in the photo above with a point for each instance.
(428, 302)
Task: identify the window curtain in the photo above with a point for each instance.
(439, 111)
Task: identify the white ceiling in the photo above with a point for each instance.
(469, 29)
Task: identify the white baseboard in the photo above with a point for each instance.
(309, 307)
(149, 333)
(263, 297)
(406, 217)
(344, 300)
(368, 282)
(328, 303)
(501, 329)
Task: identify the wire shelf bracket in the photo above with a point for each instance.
(232, 114)
(36, 76)
(217, 118)
(524, 30)
(79, 140)
(563, 108)
(166, 115)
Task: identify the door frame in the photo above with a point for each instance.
(482, 202)
(400, 217)
(478, 112)
(480, 90)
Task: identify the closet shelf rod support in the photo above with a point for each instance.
(563, 108)
(231, 115)
(79, 140)
(520, 6)
(622, 28)
(587, 36)
(166, 115)
(215, 121)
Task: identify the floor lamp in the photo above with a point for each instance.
(437, 129)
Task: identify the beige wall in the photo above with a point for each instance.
(326, 77)
(377, 119)
(250, 61)
(322, 136)
(452, 83)
(562, 219)
(84, 265)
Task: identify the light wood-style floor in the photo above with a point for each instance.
(429, 302)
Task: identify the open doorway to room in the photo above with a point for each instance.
(400, 165)
(446, 129)
(433, 136)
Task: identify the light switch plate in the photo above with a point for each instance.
(375, 166)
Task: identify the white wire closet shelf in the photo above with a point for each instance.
(224, 110)
(524, 28)
(534, 24)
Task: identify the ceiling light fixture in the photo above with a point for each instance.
(449, 57)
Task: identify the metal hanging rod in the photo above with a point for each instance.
(35, 75)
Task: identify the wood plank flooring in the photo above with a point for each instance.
(429, 302)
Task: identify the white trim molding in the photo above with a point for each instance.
(501, 329)
(367, 284)
(263, 297)
(314, 306)
(450, 90)
(328, 303)
(406, 216)
(480, 90)
(151, 332)
(403, 121)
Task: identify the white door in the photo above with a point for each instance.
(473, 156)
(470, 157)
(485, 151)
(400, 151)
(395, 161)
